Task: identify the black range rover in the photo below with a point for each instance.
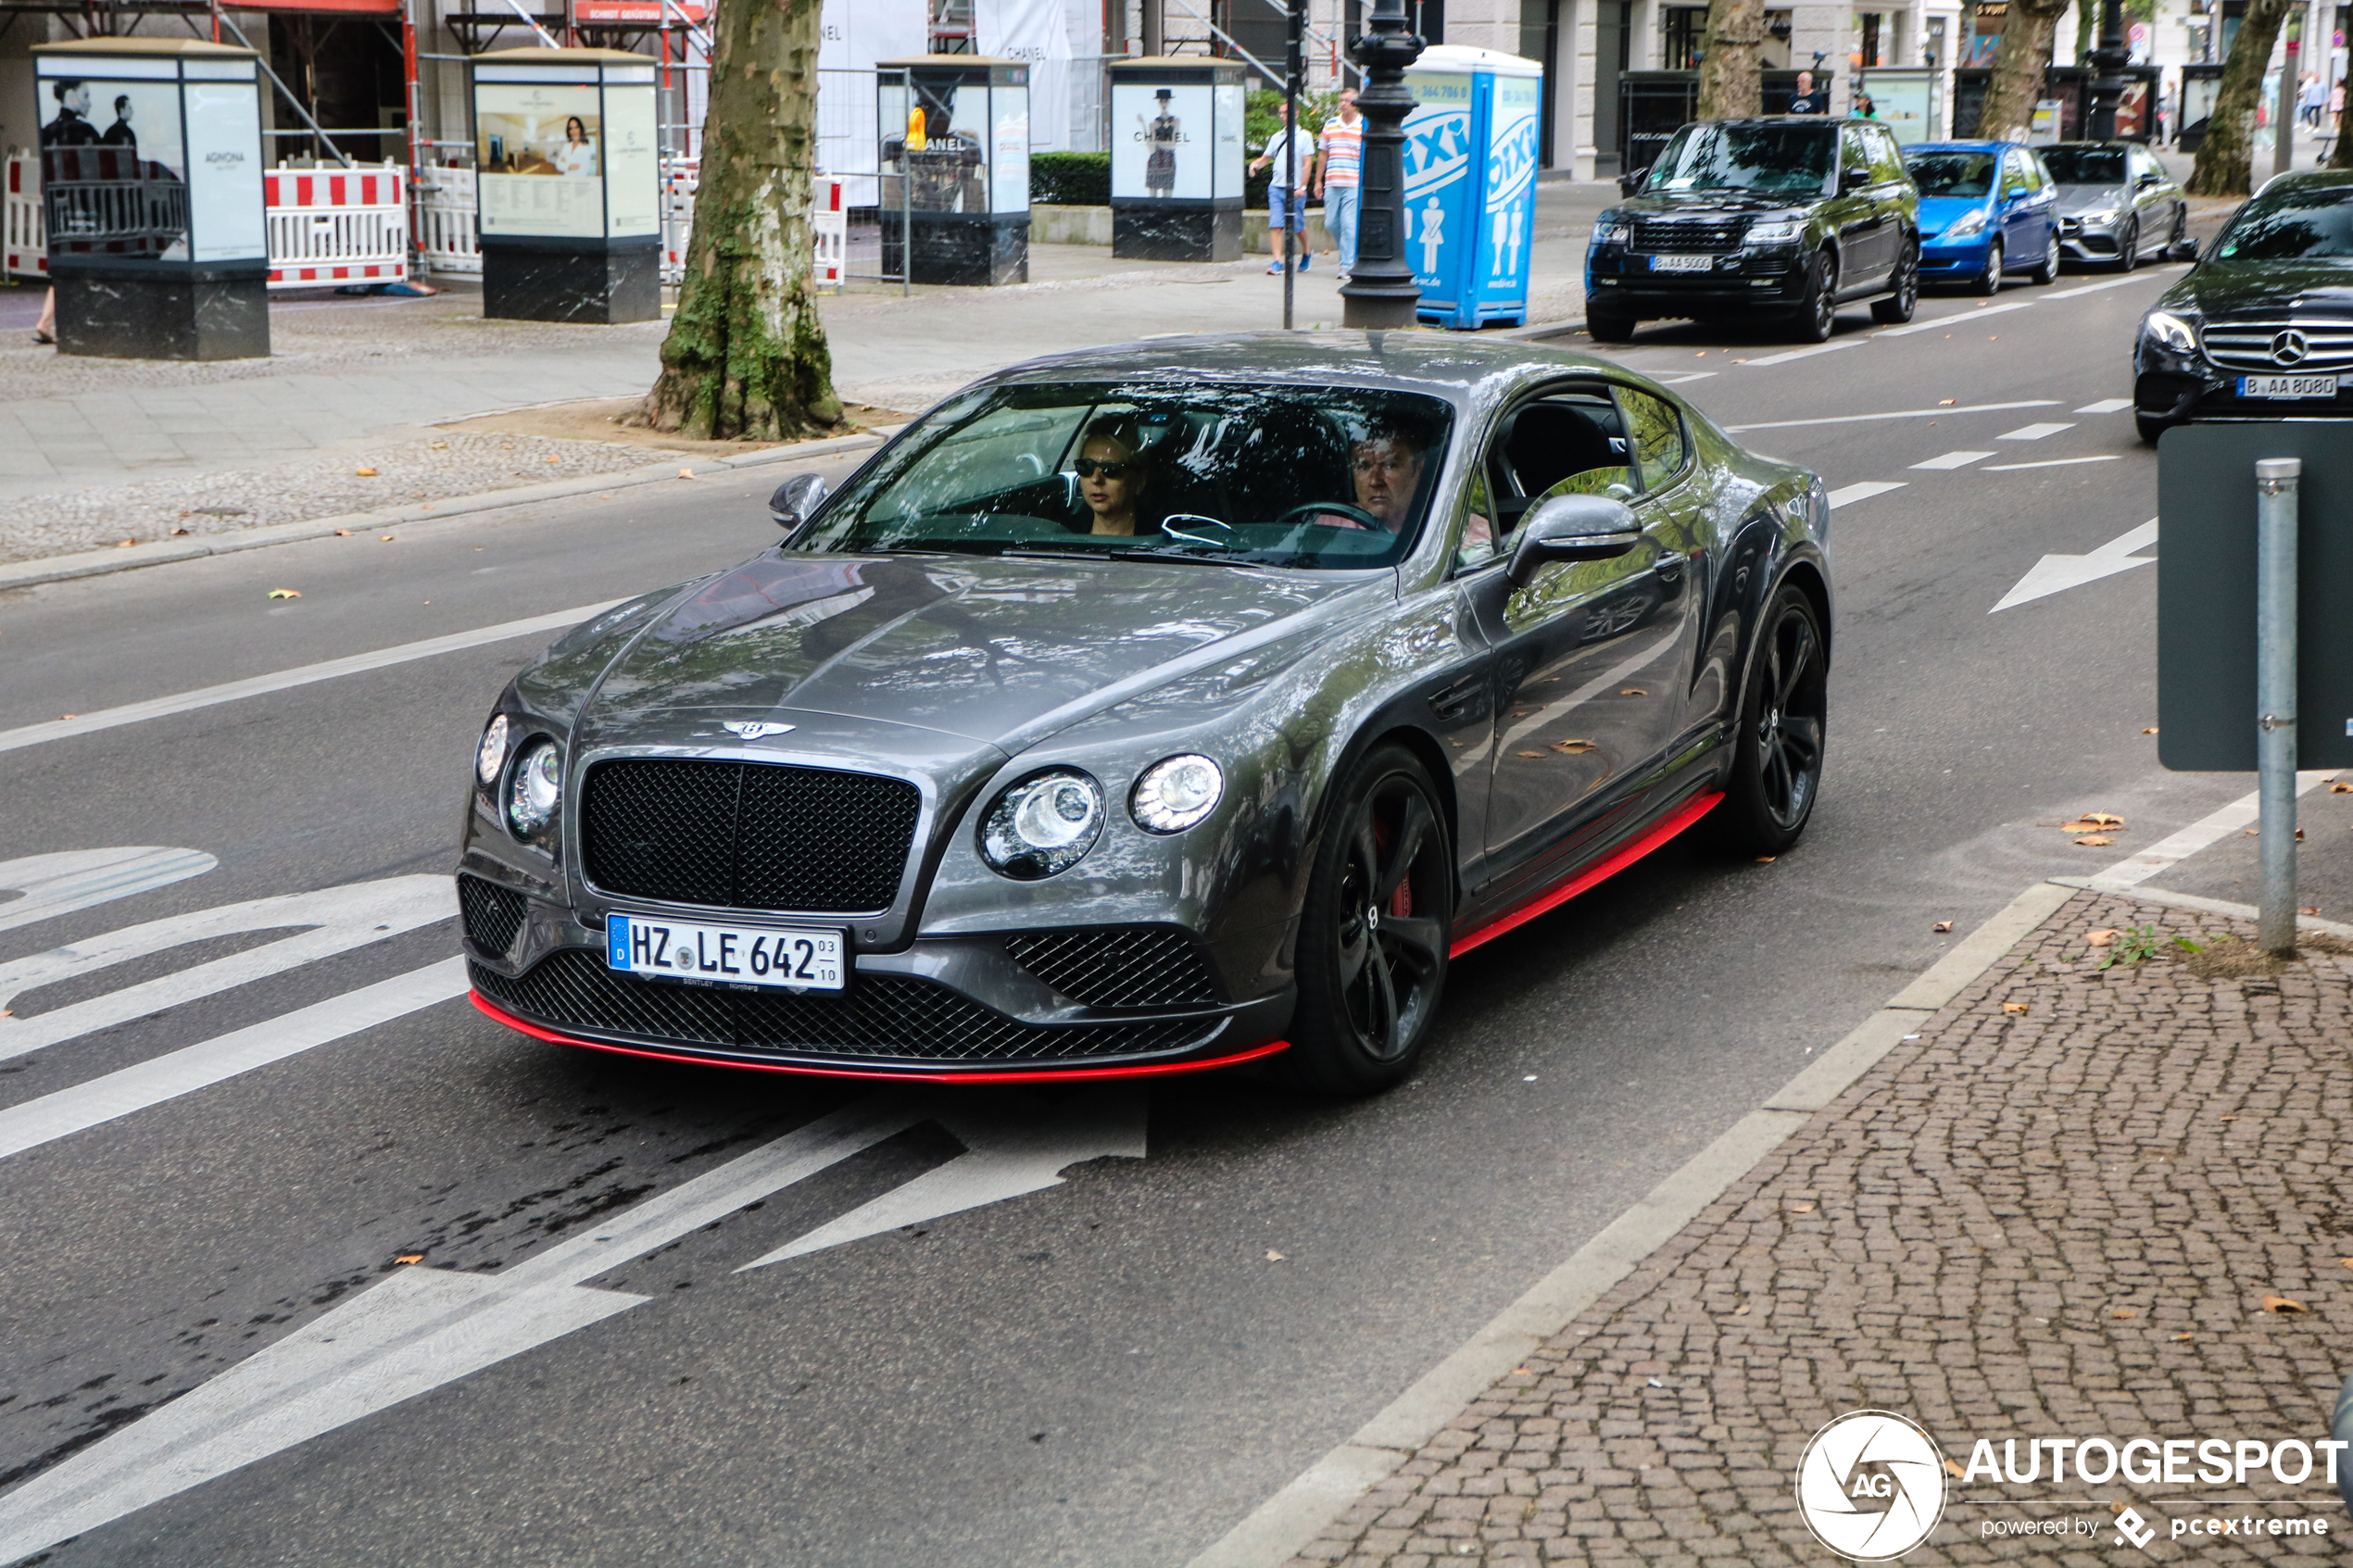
(1792, 215)
(2262, 328)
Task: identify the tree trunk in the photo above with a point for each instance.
(2225, 159)
(1731, 84)
(2018, 60)
(745, 358)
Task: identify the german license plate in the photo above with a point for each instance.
(726, 954)
(2288, 387)
(1681, 263)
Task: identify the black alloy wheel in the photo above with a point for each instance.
(1898, 307)
(2047, 270)
(1990, 280)
(1608, 326)
(2128, 246)
(1777, 761)
(1374, 933)
(1819, 314)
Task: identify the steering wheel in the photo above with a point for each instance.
(1357, 515)
(1036, 464)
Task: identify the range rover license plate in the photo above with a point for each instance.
(1681, 263)
(2288, 387)
(726, 954)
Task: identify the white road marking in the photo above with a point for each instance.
(421, 1329)
(1785, 357)
(2054, 575)
(2144, 276)
(1899, 414)
(1864, 491)
(195, 1067)
(2106, 406)
(1961, 320)
(2050, 463)
(417, 1330)
(1680, 377)
(1007, 1154)
(2213, 828)
(75, 879)
(301, 675)
(2032, 432)
(1954, 460)
(338, 919)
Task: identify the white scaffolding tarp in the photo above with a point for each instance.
(854, 35)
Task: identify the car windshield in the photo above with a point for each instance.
(1744, 158)
(1950, 174)
(1157, 468)
(2292, 225)
(2085, 166)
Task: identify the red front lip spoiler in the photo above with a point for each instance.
(1052, 1075)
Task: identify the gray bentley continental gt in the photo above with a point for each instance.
(1155, 708)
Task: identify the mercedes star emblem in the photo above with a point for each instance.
(2289, 349)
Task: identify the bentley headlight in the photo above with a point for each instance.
(538, 786)
(1969, 222)
(1042, 825)
(2172, 330)
(1776, 231)
(1176, 793)
(491, 755)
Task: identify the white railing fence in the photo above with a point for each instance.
(445, 234)
(334, 227)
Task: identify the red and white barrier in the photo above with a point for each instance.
(27, 256)
(829, 230)
(335, 226)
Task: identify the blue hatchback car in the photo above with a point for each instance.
(1987, 210)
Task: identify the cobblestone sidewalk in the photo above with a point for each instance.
(2056, 1212)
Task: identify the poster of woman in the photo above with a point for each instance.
(539, 150)
(109, 189)
(1160, 148)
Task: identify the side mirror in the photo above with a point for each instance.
(795, 500)
(2150, 177)
(1631, 181)
(1853, 180)
(1572, 528)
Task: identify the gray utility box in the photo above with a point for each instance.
(2205, 593)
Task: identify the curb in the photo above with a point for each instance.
(1274, 1532)
(99, 563)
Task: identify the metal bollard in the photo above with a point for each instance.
(2276, 480)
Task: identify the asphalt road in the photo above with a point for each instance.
(1111, 1370)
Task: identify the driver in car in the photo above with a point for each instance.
(1387, 468)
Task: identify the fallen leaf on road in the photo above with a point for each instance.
(2341, 787)
(1946, 402)
(285, 593)
(384, 539)
(2103, 936)
(364, 473)
(1532, 753)
(63, 717)
(343, 533)
(2150, 731)
(2230, 1116)
(178, 531)
(1799, 1208)
(1941, 926)
(1572, 748)
(441, 447)
(1633, 691)
(2177, 1339)
(2122, 1312)
(685, 473)
(2283, 1304)
(2347, 1261)
(2312, 909)
(1273, 1255)
(552, 457)
(1740, 1310)
(1953, 1468)
(2092, 822)
(2098, 841)
(1766, 860)
(411, 1258)
(2013, 1007)
(126, 543)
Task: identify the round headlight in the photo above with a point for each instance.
(1176, 793)
(539, 785)
(1042, 825)
(491, 755)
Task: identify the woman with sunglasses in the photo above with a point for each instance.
(1112, 475)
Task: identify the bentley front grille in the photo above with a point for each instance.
(880, 1017)
(747, 835)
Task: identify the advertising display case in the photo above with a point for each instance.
(1470, 182)
(955, 167)
(1909, 100)
(568, 186)
(1176, 158)
(151, 198)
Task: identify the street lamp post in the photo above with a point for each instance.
(2108, 64)
(1380, 291)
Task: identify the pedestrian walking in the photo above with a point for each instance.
(1337, 180)
(1292, 154)
(2309, 99)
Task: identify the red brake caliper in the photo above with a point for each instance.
(1402, 901)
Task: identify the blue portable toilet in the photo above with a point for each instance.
(1470, 182)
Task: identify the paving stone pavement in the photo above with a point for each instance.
(2056, 1212)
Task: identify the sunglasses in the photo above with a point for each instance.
(1087, 468)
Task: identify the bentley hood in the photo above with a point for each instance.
(992, 652)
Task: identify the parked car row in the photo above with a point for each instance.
(1796, 215)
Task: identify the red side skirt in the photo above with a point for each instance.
(1667, 827)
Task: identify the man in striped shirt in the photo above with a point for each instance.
(1343, 149)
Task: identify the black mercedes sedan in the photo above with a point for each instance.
(1156, 708)
(2262, 327)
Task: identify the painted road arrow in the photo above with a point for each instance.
(2056, 574)
(421, 1329)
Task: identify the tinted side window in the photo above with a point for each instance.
(1887, 165)
(1852, 153)
(1655, 428)
(2014, 176)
